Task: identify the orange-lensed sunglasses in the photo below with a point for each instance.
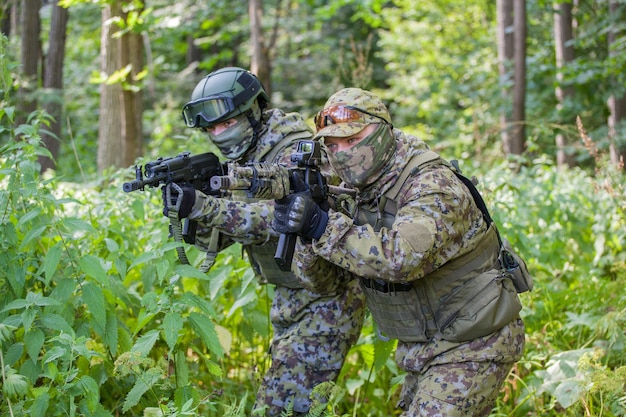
(343, 114)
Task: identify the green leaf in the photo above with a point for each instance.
(111, 333)
(218, 278)
(13, 353)
(242, 300)
(144, 344)
(568, 392)
(15, 385)
(77, 225)
(142, 320)
(39, 300)
(51, 261)
(16, 305)
(142, 385)
(172, 324)
(40, 405)
(190, 271)
(53, 354)
(6, 333)
(28, 217)
(112, 245)
(382, 350)
(92, 266)
(31, 235)
(206, 330)
(56, 322)
(34, 341)
(94, 298)
(182, 369)
(88, 388)
(144, 258)
(200, 303)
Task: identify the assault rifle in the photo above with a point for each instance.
(196, 170)
(273, 181)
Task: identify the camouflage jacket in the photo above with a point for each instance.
(436, 221)
(240, 220)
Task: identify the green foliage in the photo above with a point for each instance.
(98, 317)
(93, 321)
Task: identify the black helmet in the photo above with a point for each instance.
(222, 95)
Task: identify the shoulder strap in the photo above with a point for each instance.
(421, 161)
(478, 199)
(416, 163)
(388, 202)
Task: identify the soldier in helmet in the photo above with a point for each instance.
(313, 326)
(426, 254)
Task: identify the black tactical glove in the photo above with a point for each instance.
(181, 196)
(298, 213)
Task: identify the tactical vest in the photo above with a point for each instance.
(262, 256)
(468, 297)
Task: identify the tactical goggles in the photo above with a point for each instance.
(343, 114)
(207, 110)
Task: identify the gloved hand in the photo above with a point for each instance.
(181, 195)
(298, 213)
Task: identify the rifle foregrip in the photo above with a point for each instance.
(284, 251)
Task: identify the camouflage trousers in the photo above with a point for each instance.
(312, 336)
(447, 379)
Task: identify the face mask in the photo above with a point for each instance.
(236, 140)
(362, 164)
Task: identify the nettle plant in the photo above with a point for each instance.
(97, 315)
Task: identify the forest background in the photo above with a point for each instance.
(99, 318)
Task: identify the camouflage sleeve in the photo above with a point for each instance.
(436, 221)
(317, 274)
(246, 223)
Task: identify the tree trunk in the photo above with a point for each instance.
(119, 135)
(617, 101)
(30, 58)
(5, 18)
(53, 84)
(194, 54)
(505, 63)
(260, 63)
(564, 52)
(518, 133)
(111, 129)
(133, 43)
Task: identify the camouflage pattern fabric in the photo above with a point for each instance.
(312, 336)
(447, 379)
(314, 327)
(436, 221)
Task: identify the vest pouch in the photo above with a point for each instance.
(493, 306)
(395, 309)
(515, 266)
(266, 268)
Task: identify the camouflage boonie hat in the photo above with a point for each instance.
(369, 107)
